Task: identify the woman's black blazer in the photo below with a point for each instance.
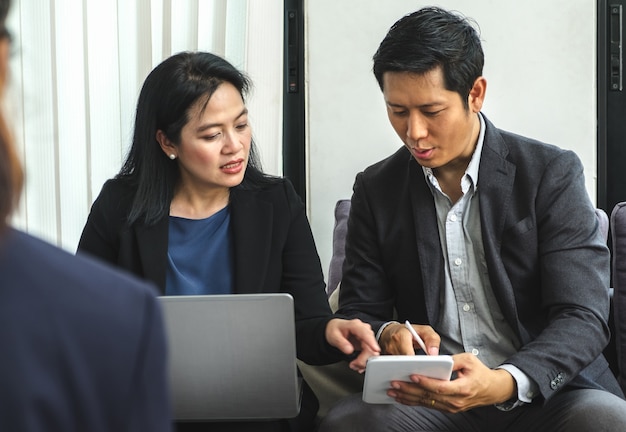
(274, 251)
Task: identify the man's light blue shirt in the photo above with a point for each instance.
(472, 320)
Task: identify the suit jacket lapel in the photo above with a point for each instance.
(152, 244)
(427, 238)
(496, 177)
(251, 220)
(495, 185)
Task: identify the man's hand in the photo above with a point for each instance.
(476, 385)
(353, 335)
(397, 340)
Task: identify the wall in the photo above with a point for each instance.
(539, 64)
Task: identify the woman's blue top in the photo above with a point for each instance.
(199, 255)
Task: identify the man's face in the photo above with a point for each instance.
(433, 122)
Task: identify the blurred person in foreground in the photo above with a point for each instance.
(488, 243)
(83, 344)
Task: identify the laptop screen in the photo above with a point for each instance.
(232, 357)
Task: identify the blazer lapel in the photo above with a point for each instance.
(252, 237)
(152, 245)
(495, 184)
(427, 239)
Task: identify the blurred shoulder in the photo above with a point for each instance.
(50, 271)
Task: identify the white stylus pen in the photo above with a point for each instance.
(417, 338)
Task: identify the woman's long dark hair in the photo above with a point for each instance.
(166, 96)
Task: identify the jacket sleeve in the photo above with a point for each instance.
(365, 289)
(562, 298)
(99, 237)
(303, 279)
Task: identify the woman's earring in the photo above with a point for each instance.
(172, 156)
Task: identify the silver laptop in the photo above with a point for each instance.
(232, 357)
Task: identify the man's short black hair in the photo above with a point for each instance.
(429, 38)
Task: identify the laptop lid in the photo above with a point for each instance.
(232, 357)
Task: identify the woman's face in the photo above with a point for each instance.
(215, 143)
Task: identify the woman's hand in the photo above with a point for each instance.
(349, 336)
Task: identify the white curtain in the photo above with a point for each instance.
(77, 67)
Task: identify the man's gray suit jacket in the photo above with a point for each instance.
(547, 261)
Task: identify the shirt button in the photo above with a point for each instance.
(466, 307)
(458, 261)
(453, 218)
(475, 351)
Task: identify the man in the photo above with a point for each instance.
(83, 346)
(488, 243)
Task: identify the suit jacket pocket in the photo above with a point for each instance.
(519, 241)
(520, 228)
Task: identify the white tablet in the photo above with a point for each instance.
(381, 370)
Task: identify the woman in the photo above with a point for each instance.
(192, 211)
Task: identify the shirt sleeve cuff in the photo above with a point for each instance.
(382, 327)
(527, 389)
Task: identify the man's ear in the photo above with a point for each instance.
(477, 93)
(166, 145)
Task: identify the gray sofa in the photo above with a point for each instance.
(618, 246)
